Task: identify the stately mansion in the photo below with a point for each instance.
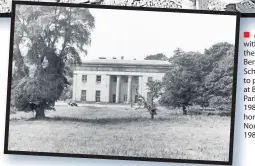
(115, 80)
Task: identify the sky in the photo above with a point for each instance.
(136, 34)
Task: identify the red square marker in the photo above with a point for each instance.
(246, 34)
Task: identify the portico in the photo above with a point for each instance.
(122, 88)
(115, 81)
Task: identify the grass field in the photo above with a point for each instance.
(122, 132)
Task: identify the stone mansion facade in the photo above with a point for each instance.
(115, 80)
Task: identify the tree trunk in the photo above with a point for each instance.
(152, 116)
(39, 113)
(184, 110)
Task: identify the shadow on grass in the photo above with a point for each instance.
(103, 121)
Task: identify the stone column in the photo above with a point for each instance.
(140, 88)
(74, 86)
(118, 89)
(108, 85)
(129, 89)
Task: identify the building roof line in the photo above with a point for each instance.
(128, 63)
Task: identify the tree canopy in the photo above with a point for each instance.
(182, 80)
(159, 56)
(47, 40)
(201, 79)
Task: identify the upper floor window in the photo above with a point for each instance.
(98, 79)
(136, 78)
(84, 78)
(125, 79)
(114, 78)
(150, 79)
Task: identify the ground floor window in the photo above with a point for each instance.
(83, 95)
(114, 98)
(136, 98)
(98, 94)
(125, 97)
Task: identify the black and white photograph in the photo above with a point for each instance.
(121, 83)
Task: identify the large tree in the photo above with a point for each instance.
(181, 82)
(219, 82)
(219, 57)
(47, 40)
(201, 79)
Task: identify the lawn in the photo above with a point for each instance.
(122, 132)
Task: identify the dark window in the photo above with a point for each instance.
(84, 78)
(83, 95)
(114, 98)
(136, 79)
(125, 79)
(98, 79)
(125, 97)
(115, 79)
(98, 92)
(149, 79)
(136, 98)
